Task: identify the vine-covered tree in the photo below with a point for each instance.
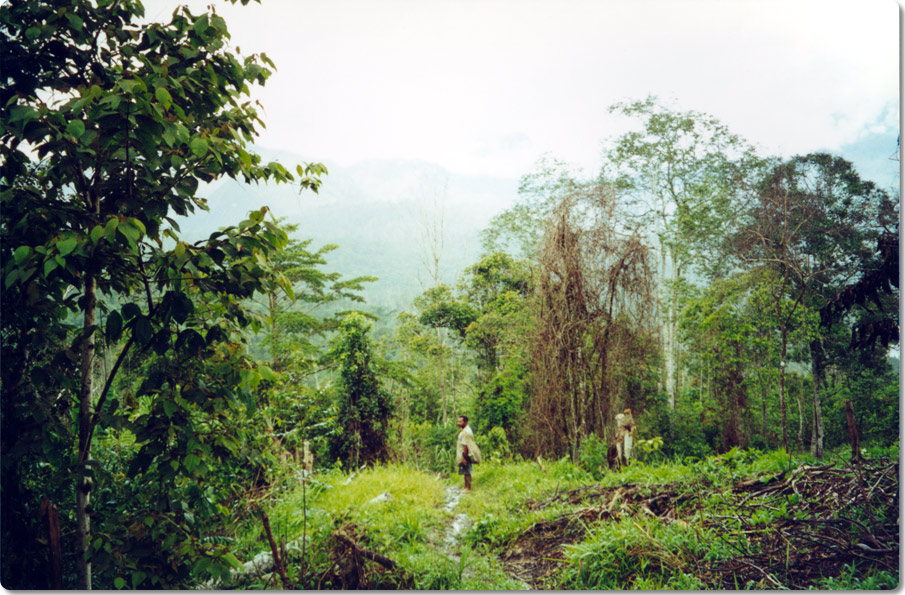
(594, 297)
(107, 126)
(364, 406)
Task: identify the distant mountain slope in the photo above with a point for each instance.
(376, 212)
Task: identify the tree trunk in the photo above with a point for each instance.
(83, 488)
(442, 376)
(667, 328)
(782, 390)
(817, 371)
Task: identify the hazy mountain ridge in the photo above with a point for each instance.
(376, 211)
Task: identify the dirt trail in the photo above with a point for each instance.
(452, 540)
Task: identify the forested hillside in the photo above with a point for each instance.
(227, 368)
(384, 216)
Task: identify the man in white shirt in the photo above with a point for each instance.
(467, 451)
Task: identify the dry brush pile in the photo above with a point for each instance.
(786, 530)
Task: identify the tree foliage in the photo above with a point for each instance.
(364, 406)
(108, 127)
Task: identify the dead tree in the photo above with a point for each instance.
(593, 305)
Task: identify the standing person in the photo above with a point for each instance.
(466, 450)
(625, 432)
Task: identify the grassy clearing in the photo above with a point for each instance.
(744, 519)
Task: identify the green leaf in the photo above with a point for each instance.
(198, 146)
(11, 277)
(75, 21)
(67, 246)
(32, 33)
(182, 307)
(49, 266)
(76, 128)
(96, 234)
(129, 231)
(202, 24)
(114, 326)
(119, 582)
(22, 112)
(137, 225)
(21, 253)
(230, 559)
(164, 97)
(137, 577)
(266, 373)
(130, 311)
(110, 229)
(142, 330)
(170, 407)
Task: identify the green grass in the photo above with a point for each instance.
(631, 551)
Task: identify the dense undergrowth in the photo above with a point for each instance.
(740, 520)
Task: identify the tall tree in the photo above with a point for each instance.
(815, 225)
(296, 319)
(684, 172)
(108, 126)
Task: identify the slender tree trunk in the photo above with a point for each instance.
(782, 389)
(763, 419)
(83, 489)
(817, 431)
(800, 441)
(442, 374)
(666, 327)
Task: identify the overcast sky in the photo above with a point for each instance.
(487, 86)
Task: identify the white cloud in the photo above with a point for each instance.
(451, 80)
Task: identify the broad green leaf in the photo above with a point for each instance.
(22, 112)
(130, 311)
(21, 253)
(96, 234)
(50, 266)
(75, 21)
(76, 128)
(218, 23)
(119, 582)
(267, 373)
(137, 224)
(163, 96)
(67, 246)
(169, 407)
(129, 232)
(32, 33)
(11, 277)
(111, 100)
(142, 330)
(198, 146)
(114, 326)
(137, 577)
(110, 229)
(182, 307)
(202, 24)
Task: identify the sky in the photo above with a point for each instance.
(486, 87)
